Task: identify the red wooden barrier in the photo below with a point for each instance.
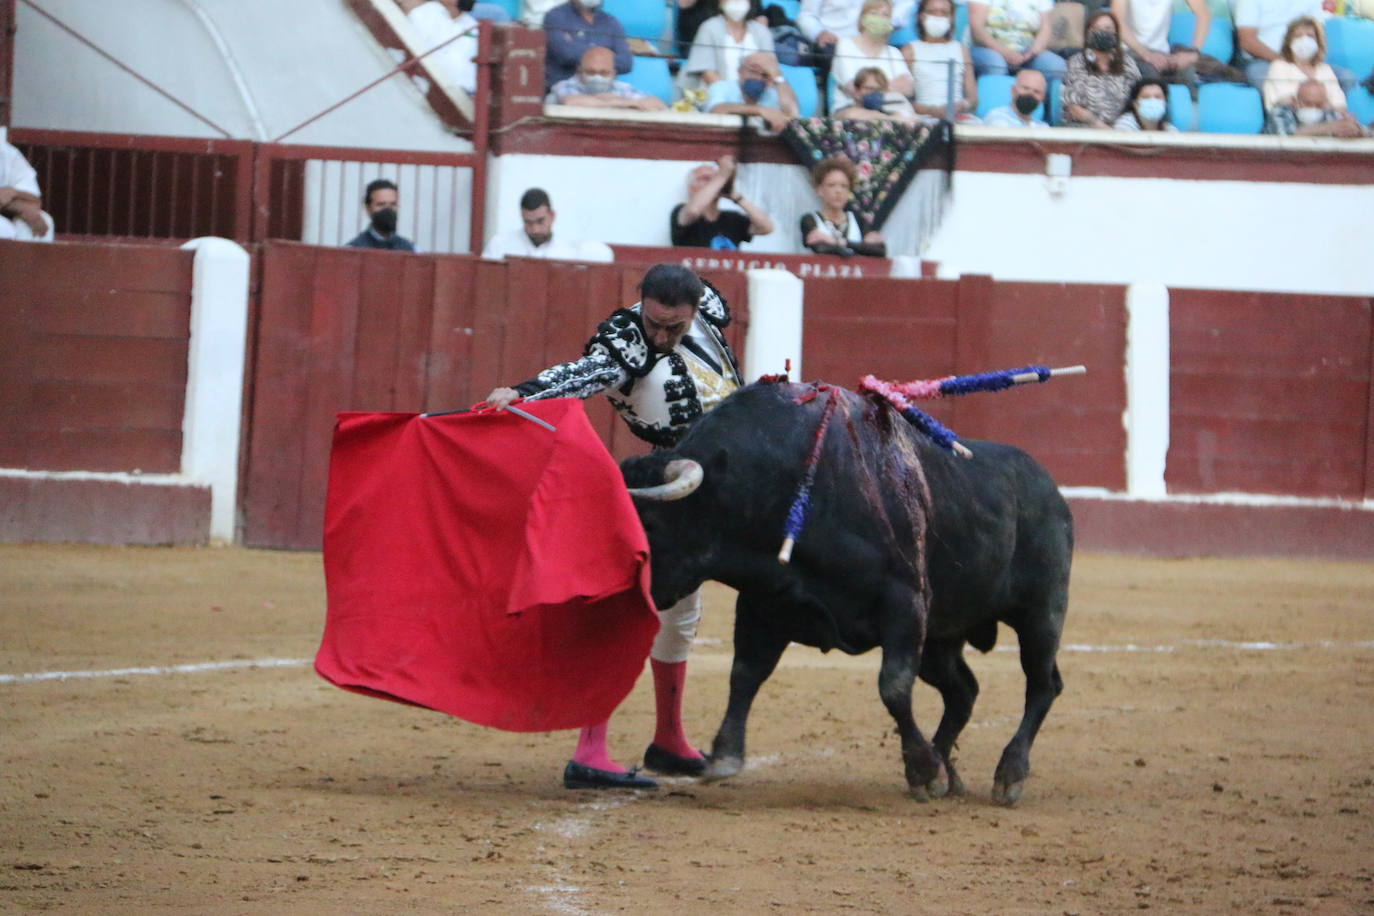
(93, 367)
(1271, 393)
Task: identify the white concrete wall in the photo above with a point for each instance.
(1281, 237)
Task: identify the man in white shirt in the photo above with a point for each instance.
(1027, 95)
(437, 21)
(536, 239)
(1260, 26)
(21, 203)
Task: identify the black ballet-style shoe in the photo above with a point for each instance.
(670, 764)
(580, 776)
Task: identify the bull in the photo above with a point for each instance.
(906, 548)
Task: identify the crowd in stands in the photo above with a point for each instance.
(1103, 63)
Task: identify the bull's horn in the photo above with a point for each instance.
(680, 479)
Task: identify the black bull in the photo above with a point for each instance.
(906, 547)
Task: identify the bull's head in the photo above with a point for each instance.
(681, 477)
(677, 527)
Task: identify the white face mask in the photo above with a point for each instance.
(735, 10)
(936, 26)
(1304, 47)
(1311, 115)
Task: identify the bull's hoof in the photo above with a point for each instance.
(956, 785)
(718, 768)
(1004, 793)
(936, 787)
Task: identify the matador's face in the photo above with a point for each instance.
(665, 325)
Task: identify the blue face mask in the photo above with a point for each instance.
(753, 89)
(1150, 109)
(873, 101)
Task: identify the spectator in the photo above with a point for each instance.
(536, 239)
(722, 41)
(1011, 34)
(868, 48)
(1098, 80)
(939, 62)
(1309, 114)
(1260, 29)
(836, 228)
(21, 202)
(1301, 58)
(691, 15)
(572, 28)
(700, 223)
(1147, 108)
(1145, 32)
(437, 21)
(532, 12)
(1027, 95)
(876, 102)
(760, 90)
(825, 22)
(381, 203)
(595, 86)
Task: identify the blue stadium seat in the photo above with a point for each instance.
(803, 83)
(1056, 104)
(1361, 104)
(1180, 106)
(994, 91)
(650, 74)
(790, 8)
(644, 19)
(1350, 43)
(1228, 108)
(1221, 38)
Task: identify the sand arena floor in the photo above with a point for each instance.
(1213, 752)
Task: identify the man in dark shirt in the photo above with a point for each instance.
(574, 27)
(700, 223)
(380, 203)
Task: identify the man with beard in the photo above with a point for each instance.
(380, 203)
(535, 239)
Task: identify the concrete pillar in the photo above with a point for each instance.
(1147, 389)
(775, 325)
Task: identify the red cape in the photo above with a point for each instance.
(483, 566)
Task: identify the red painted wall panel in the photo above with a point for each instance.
(93, 367)
(1270, 393)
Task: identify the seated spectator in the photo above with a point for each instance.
(722, 41)
(1011, 34)
(1027, 95)
(875, 100)
(594, 86)
(824, 23)
(1145, 33)
(836, 228)
(536, 239)
(437, 21)
(1147, 108)
(381, 203)
(691, 15)
(1260, 29)
(21, 202)
(1098, 80)
(700, 223)
(940, 62)
(1301, 58)
(1309, 114)
(760, 90)
(572, 28)
(532, 12)
(868, 48)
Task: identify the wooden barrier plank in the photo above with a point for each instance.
(380, 303)
(101, 405)
(448, 370)
(151, 451)
(110, 312)
(412, 333)
(80, 266)
(528, 294)
(109, 359)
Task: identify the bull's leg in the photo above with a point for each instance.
(757, 650)
(1039, 637)
(925, 771)
(944, 668)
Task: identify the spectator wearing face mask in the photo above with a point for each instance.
(1027, 95)
(760, 90)
(701, 223)
(1309, 114)
(572, 28)
(1147, 108)
(1098, 80)
(876, 101)
(1302, 58)
(939, 63)
(594, 86)
(381, 202)
(1261, 26)
(868, 48)
(438, 21)
(724, 40)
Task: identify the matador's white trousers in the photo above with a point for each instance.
(677, 626)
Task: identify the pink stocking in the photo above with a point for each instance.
(668, 734)
(591, 749)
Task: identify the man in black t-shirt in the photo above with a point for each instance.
(700, 223)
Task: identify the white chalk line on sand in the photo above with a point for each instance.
(200, 667)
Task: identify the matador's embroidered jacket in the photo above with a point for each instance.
(658, 395)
